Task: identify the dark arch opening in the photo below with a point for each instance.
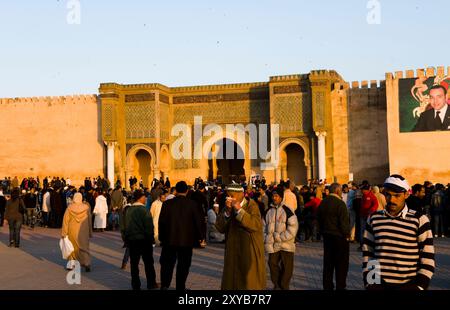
(230, 162)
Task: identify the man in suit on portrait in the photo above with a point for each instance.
(437, 118)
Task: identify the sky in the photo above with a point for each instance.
(182, 43)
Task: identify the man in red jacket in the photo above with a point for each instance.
(369, 205)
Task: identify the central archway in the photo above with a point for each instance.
(209, 147)
(142, 166)
(226, 162)
(140, 163)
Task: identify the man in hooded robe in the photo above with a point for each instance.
(77, 225)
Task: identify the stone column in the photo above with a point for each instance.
(157, 160)
(278, 176)
(284, 173)
(308, 172)
(214, 161)
(110, 162)
(321, 154)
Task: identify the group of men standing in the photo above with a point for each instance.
(181, 228)
(397, 241)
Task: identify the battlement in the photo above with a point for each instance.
(219, 87)
(109, 85)
(372, 84)
(325, 74)
(145, 86)
(182, 89)
(290, 77)
(330, 74)
(155, 86)
(360, 85)
(428, 72)
(51, 99)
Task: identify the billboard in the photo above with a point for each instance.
(424, 104)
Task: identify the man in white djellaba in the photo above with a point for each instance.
(100, 212)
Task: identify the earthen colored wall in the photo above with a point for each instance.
(367, 133)
(53, 136)
(339, 112)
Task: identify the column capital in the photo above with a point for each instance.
(110, 143)
(321, 134)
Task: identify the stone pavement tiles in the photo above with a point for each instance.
(38, 265)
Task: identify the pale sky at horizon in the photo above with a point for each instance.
(181, 43)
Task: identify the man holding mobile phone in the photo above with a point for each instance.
(240, 221)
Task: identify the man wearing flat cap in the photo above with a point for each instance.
(398, 252)
(244, 263)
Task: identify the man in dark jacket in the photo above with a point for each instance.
(179, 228)
(30, 201)
(199, 196)
(167, 184)
(334, 225)
(56, 214)
(416, 200)
(137, 232)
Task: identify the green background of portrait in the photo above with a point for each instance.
(407, 103)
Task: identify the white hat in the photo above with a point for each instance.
(397, 183)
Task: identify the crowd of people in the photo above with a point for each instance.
(251, 219)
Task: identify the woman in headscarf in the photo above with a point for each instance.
(77, 225)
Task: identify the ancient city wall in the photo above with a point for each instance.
(367, 131)
(53, 136)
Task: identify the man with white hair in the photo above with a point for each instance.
(398, 252)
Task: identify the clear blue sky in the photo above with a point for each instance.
(181, 43)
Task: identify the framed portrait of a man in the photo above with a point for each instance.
(424, 104)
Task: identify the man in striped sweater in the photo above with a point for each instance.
(398, 252)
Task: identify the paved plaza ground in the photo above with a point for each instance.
(38, 264)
